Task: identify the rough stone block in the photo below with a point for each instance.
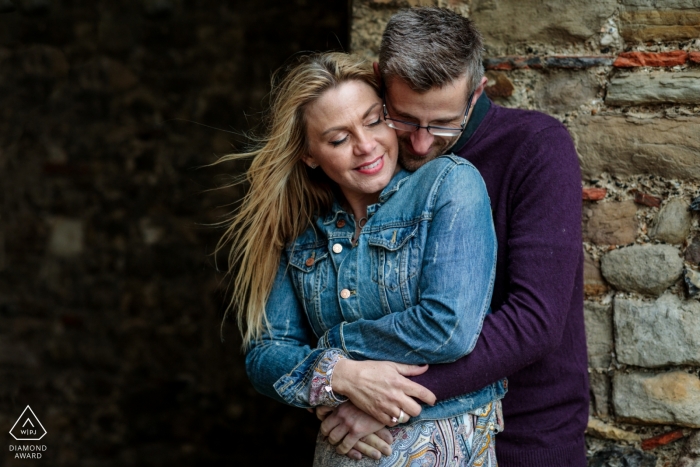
(659, 25)
(692, 253)
(599, 333)
(571, 62)
(692, 281)
(692, 446)
(628, 146)
(663, 4)
(602, 430)
(611, 223)
(593, 282)
(66, 238)
(647, 269)
(654, 88)
(653, 334)
(506, 23)
(672, 225)
(619, 456)
(687, 461)
(565, 90)
(367, 27)
(666, 398)
(600, 393)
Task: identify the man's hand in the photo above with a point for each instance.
(381, 389)
(353, 432)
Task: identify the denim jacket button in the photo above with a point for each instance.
(309, 262)
(345, 293)
(337, 248)
(340, 224)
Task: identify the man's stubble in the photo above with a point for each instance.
(411, 162)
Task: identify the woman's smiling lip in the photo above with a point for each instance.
(373, 167)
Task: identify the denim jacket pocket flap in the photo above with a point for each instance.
(393, 238)
(305, 259)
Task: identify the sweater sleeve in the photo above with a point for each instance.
(543, 249)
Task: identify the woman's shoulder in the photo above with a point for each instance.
(448, 169)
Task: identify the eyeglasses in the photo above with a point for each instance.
(400, 125)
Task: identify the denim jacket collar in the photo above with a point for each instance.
(388, 191)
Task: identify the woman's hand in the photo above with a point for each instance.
(353, 432)
(381, 389)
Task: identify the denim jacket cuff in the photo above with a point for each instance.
(333, 339)
(293, 387)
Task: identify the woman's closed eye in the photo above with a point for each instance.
(338, 142)
(371, 124)
(375, 122)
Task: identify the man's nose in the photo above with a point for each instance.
(421, 141)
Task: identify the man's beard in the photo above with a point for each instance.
(411, 162)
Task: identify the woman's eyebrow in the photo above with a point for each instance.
(342, 127)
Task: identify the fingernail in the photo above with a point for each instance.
(386, 451)
(376, 455)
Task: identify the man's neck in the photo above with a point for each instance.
(477, 115)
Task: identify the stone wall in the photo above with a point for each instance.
(624, 77)
(110, 305)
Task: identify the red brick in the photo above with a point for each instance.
(499, 85)
(646, 200)
(694, 57)
(594, 194)
(635, 59)
(661, 440)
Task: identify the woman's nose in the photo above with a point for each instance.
(365, 144)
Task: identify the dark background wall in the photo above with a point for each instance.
(110, 304)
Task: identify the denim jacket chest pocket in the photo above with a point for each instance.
(310, 273)
(395, 256)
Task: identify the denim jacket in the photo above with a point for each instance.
(414, 289)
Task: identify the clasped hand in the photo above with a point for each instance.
(378, 392)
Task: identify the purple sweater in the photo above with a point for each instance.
(535, 335)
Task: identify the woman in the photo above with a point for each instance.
(335, 243)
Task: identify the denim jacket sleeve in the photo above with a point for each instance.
(456, 283)
(281, 363)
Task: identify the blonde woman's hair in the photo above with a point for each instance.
(285, 196)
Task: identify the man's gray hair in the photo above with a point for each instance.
(431, 47)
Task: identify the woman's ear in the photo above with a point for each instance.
(308, 159)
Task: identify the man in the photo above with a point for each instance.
(431, 69)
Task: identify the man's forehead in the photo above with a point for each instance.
(458, 84)
(401, 97)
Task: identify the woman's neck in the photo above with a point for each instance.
(357, 205)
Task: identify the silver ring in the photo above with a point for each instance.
(394, 419)
(401, 416)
